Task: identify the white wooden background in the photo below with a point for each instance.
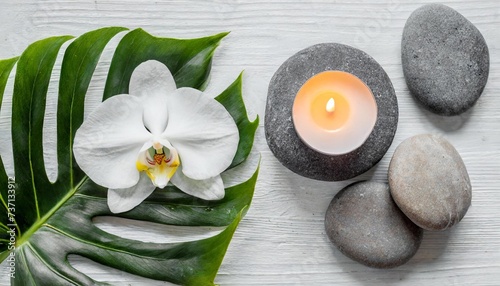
(282, 239)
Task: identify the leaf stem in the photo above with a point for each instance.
(40, 222)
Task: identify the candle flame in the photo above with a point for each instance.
(330, 106)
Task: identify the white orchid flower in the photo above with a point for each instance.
(133, 143)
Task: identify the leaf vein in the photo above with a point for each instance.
(70, 146)
(28, 267)
(4, 226)
(103, 246)
(30, 120)
(48, 265)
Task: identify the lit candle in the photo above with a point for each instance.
(334, 112)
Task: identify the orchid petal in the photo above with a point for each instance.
(151, 77)
(109, 140)
(208, 189)
(155, 116)
(122, 200)
(202, 131)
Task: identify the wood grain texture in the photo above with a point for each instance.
(282, 239)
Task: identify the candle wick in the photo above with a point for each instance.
(330, 106)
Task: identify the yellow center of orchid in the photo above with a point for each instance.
(159, 163)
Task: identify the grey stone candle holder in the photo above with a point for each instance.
(284, 142)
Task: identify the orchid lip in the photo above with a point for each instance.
(159, 163)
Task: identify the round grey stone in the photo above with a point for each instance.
(429, 182)
(284, 142)
(445, 59)
(367, 226)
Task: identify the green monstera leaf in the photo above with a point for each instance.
(43, 222)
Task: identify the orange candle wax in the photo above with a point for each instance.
(334, 112)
